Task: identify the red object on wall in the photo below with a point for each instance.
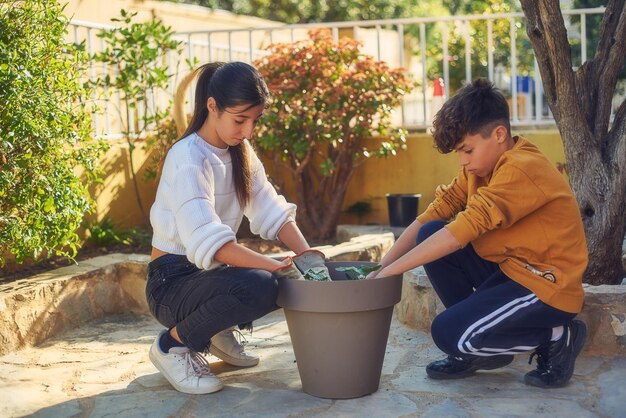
(438, 87)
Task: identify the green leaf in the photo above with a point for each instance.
(358, 272)
(319, 276)
(49, 204)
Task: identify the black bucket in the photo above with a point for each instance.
(402, 208)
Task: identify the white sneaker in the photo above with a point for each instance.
(224, 345)
(187, 370)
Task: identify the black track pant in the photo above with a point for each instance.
(487, 313)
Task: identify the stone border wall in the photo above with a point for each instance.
(604, 312)
(35, 309)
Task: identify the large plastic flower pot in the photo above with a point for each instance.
(402, 208)
(339, 330)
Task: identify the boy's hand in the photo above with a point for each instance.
(372, 275)
(288, 270)
(312, 262)
(377, 273)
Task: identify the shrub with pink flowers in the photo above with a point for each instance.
(327, 99)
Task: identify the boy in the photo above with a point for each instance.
(503, 246)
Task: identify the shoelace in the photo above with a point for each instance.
(543, 362)
(241, 339)
(197, 364)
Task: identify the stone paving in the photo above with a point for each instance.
(102, 369)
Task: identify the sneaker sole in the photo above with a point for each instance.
(433, 374)
(183, 389)
(233, 361)
(447, 376)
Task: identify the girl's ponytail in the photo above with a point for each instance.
(200, 111)
(242, 175)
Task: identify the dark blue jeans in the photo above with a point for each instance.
(201, 303)
(487, 313)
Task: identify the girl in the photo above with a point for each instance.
(201, 282)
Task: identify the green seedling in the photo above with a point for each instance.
(358, 272)
(317, 276)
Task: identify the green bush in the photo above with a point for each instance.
(136, 54)
(45, 133)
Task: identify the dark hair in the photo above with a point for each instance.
(230, 84)
(476, 109)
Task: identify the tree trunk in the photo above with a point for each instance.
(581, 104)
(319, 209)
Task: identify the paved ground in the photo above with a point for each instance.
(102, 369)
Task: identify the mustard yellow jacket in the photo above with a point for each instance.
(525, 218)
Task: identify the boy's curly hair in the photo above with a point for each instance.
(476, 109)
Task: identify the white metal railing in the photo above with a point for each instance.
(455, 48)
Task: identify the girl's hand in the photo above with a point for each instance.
(312, 262)
(288, 270)
(277, 264)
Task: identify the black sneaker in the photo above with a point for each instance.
(556, 359)
(454, 367)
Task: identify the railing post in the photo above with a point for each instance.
(209, 46)
(446, 65)
(189, 47)
(92, 74)
(538, 93)
(250, 46)
(468, 53)
(401, 45)
(583, 38)
(424, 81)
(513, 71)
(105, 70)
(378, 41)
(401, 64)
(490, 48)
(230, 45)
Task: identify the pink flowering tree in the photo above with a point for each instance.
(327, 99)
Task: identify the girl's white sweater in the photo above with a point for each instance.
(196, 210)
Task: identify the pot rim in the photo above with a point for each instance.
(339, 295)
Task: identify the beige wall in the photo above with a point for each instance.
(115, 197)
(419, 169)
(181, 17)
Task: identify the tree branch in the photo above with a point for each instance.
(559, 51)
(606, 65)
(547, 33)
(535, 31)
